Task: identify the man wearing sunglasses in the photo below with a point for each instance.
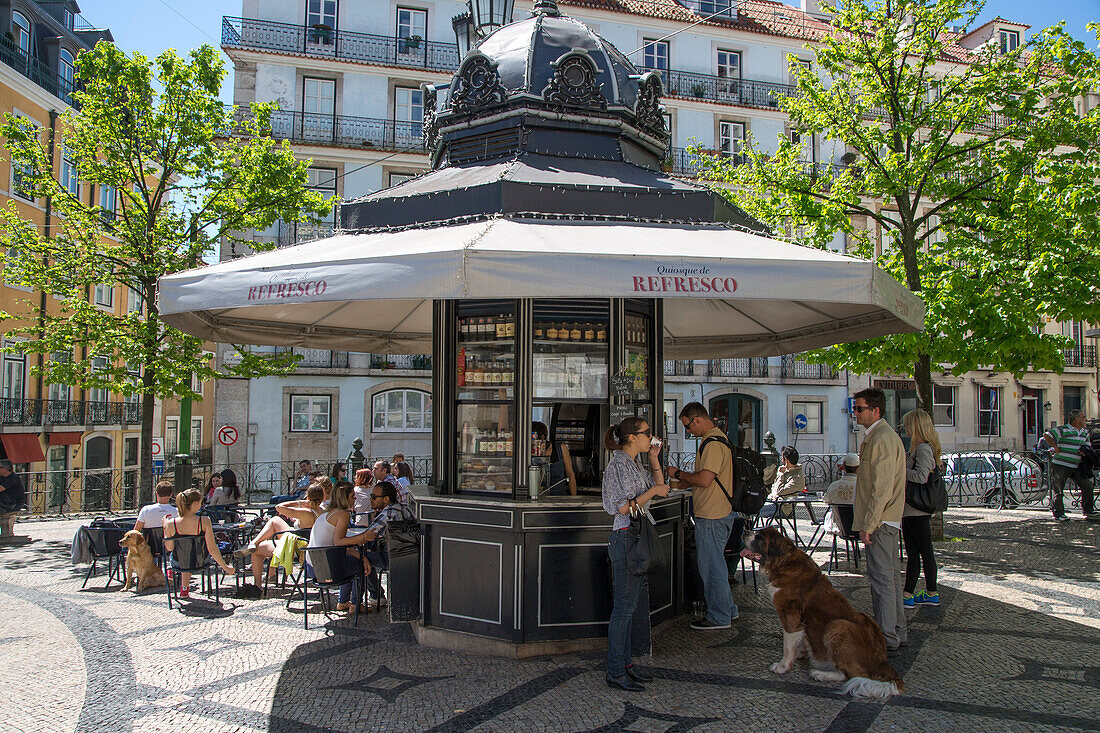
(714, 515)
(877, 506)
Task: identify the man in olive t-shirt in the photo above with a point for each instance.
(713, 513)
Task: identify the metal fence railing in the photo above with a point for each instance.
(30, 412)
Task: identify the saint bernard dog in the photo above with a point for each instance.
(843, 644)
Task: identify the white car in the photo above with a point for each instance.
(976, 478)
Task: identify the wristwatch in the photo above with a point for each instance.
(677, 476)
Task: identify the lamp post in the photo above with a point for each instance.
(488, 15)
(464, 33)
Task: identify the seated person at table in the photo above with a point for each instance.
(12, 493)
(560, 477)
(153, 515)
(404, 474)
(331, 530)
(191, 524)
(212, 483)
(301, 515)
(789, 482)
(383, 472)
(228, 494)
(361, 490)
(841, 492)
(384, 499)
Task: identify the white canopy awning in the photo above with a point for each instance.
(726, 292)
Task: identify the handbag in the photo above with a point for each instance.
(930, 496)
(647, 557)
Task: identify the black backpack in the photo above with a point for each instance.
(749, 493)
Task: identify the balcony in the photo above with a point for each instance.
(406, 362)
(312, 128)
(683, 162)
(34, 413)
(679, 368)
(291, 233)
(746, 367)
(795, 368)
(323, 42)
(32, 68)
(724, 90)
(316, 358)
(1081, 356)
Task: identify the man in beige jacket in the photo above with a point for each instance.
(878, 505)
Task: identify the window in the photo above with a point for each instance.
(322, 180)
(70, 19)
(729, 71)
(1009, 41)
(396, 178)
(812, 411)
(731, 137)
(668, 122)
(671, 423)
(655, 54)
(319, 96)
(108, 196)
(796, 66)
(171, 436)
(21, 29)
(1072, 330)
(59, 393)
(69, 177)
(321, 13)
(310, 413)
(99, 394)
(943, 406)
(1073, 398)
(408, 105)
(130, 450)
(411, 23)
(15, 370)
(402, 410)
(65, 69)
(196, 433)
(105, 295)
(989, 411)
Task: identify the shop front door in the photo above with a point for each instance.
(1032, 421)
(97, 474)
(739, 417)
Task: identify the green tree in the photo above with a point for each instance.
(974, 170)
(154, 135)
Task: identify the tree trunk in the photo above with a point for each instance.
(148, 402)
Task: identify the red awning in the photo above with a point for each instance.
(23, 447)
(65, 438)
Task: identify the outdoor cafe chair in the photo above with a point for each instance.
(103, 540)
(327, 568)
(845, 514)
(302, 533)
(189, 555)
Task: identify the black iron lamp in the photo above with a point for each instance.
(464, 33)
(488, 15)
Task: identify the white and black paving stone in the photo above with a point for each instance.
(1014, 646)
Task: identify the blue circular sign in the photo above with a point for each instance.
(800, 421)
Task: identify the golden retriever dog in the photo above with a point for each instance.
(140, 562)
(843, 644)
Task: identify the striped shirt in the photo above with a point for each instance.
(1070, 440)
(623, 480)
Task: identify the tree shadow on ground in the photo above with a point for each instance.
(1041, 549)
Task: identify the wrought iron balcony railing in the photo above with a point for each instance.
(417, 362)
(291, 233)
(680, 368)
(1081, 356)
(796, 368)
(31, 413)
(322, 41)
(30, 67)
(755, 367)
(317, 358)
(343, 130)
(726, 90)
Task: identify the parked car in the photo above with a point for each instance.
(975, 478)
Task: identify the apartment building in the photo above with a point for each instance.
(77, 449)
(347, 74)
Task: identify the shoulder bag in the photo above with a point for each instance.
(930, 496)
(647, 557)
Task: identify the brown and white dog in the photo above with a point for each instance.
(843, 644)
(140, 562)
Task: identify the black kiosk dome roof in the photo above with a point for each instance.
(544, 117)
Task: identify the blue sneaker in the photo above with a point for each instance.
(927, 599)
(909, 602)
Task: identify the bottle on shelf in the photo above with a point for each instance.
(575, 332)
(500, 327)
(552, 331)
(540, 331)
(589, 333)
(601, 333)
(509, 327)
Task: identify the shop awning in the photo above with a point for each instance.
(22, 447)
(65, 438)
(726, 292)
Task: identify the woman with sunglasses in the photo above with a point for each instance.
(626, 486)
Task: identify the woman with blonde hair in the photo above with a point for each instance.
(923, 458)
(330, 530)
(190, 524)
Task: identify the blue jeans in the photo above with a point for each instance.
(626, 590)
(711, 536)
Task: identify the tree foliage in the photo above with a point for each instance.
(970, 175)
(185, 175)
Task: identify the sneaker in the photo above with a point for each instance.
(927, 599)
(708, 625)
(244, 551)
(185, 593)
(1062, 518)
(909, 602)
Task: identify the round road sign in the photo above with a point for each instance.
(800, 421)
(227, 435)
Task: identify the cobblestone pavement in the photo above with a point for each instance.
(1014, 646)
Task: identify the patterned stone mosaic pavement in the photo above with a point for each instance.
(1014, 646)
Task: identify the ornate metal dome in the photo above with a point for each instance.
(545, 69)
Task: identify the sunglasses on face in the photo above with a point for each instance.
(860, 408)
(375, 496)
(648, 432)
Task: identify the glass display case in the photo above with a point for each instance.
(638, 356)
(569, 359)
(485, 387)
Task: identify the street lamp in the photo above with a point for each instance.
(464, 33)
(488, 15)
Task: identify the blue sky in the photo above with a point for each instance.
(187, 24)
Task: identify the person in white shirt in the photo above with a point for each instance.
(153, 515)
(841, 493)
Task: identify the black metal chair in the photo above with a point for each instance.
(303, 534)
(103, 540)
(846, 515)
(189, 555)
(328, 566)
(222, 513)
